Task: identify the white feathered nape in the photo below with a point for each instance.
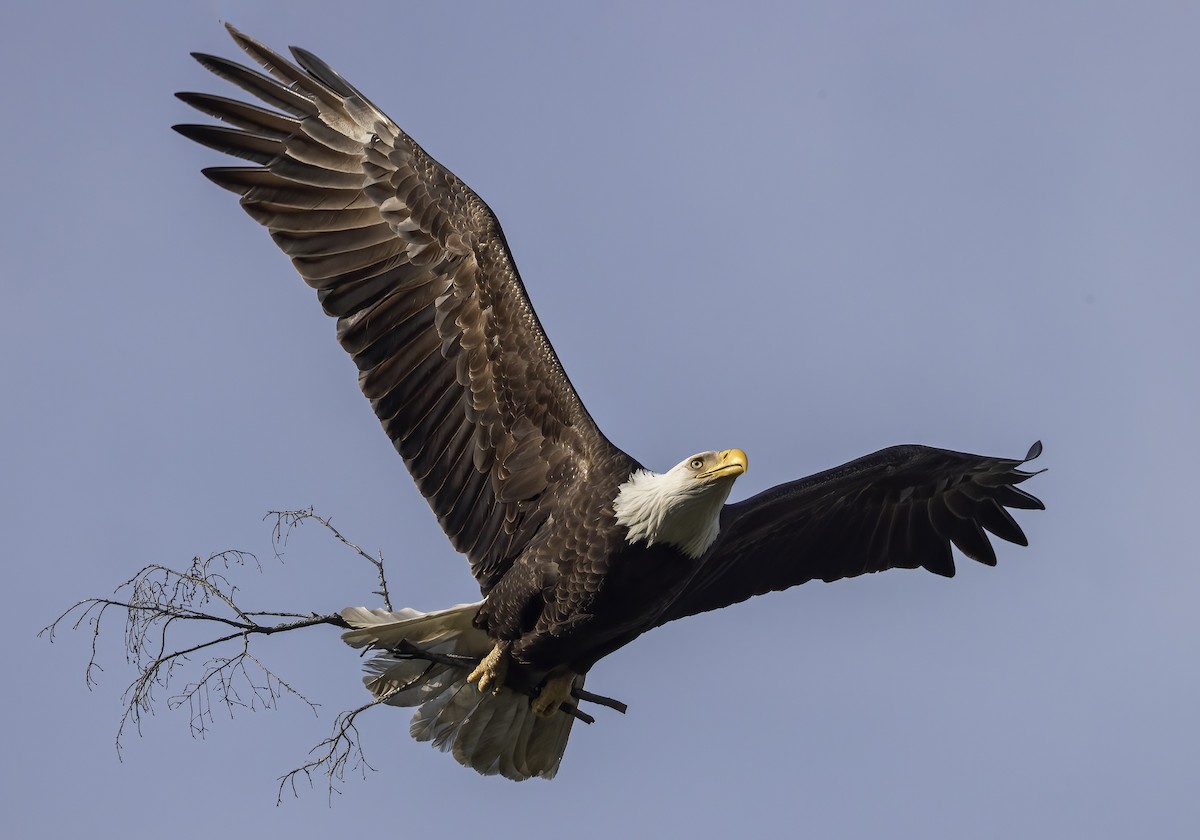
(488, 733)
(672, 507)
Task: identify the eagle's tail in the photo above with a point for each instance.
(488, 733)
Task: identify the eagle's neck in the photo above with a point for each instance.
(671, 508)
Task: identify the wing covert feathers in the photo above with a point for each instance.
(414, 267)
(902, 507)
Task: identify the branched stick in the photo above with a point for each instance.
(159, 602)
(287, 521)
(338, 753)
(158, 599)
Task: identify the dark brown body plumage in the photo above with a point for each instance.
(575, 594)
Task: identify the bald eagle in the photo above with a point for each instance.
(578, 549)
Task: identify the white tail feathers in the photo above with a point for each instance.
(444, 628)
(488, 733)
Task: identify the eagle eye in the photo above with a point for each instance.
(696, 463)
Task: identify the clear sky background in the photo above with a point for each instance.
(809, 230)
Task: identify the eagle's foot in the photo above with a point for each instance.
(492, 669)
(554, 693)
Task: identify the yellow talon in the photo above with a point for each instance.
(492, 669)
(554, 693)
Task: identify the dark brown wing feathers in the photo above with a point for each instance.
(901, 507)
(429, 303)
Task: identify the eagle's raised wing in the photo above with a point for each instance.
(900, 508)
(429, 304)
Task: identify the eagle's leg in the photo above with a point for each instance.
(492, 669)
(554, 693)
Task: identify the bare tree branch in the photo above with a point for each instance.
(163, 606)
(288, 520)
(156, 602)
(338, 753)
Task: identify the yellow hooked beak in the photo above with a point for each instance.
(729, 464)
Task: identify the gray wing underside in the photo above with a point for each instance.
(901, 507)
(428, 302)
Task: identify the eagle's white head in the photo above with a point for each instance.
(682, 506)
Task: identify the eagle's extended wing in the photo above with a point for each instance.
(429, 304)
(899, 508)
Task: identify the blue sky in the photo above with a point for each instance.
(964, 225)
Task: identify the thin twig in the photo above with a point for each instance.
(288, 520)
(338, 753)
(599, 700)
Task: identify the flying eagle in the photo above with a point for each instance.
(578, 549)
